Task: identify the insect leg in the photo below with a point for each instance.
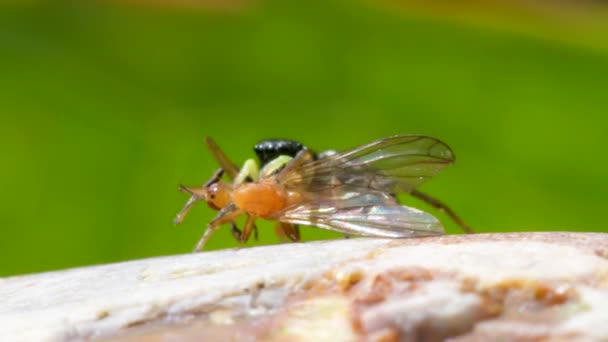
(247, 228)
(442, 207)
(292, 231)
(255, 232)
(219, 155)
(249, 172)
(182, 213)
(236, 232)
(203, 240)
(274, 166)
(302, 157)
(296, 229)
(287, 231)
(278, 230)
(227, 214)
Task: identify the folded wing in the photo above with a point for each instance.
(367, 214)
(395, 164)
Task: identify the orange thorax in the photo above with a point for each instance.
(262, 199)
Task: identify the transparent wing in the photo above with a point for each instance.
(395, 164)
(368, 214)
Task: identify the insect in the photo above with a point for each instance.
(215, 192)
(352, 192)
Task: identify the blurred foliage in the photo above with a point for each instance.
(104, 109)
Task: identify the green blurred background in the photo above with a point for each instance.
(104, 108)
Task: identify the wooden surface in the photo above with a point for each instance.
(464, 287)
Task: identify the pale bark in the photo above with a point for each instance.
(466, 287)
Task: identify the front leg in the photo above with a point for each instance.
(248, 173)
(197, 193)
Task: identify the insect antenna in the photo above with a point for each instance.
(197, 193)
(183, 188)
(217, 175)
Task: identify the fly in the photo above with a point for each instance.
(352, 192)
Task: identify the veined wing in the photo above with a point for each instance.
(372, 214)
(395, 164)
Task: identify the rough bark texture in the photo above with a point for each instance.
(529, 286)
